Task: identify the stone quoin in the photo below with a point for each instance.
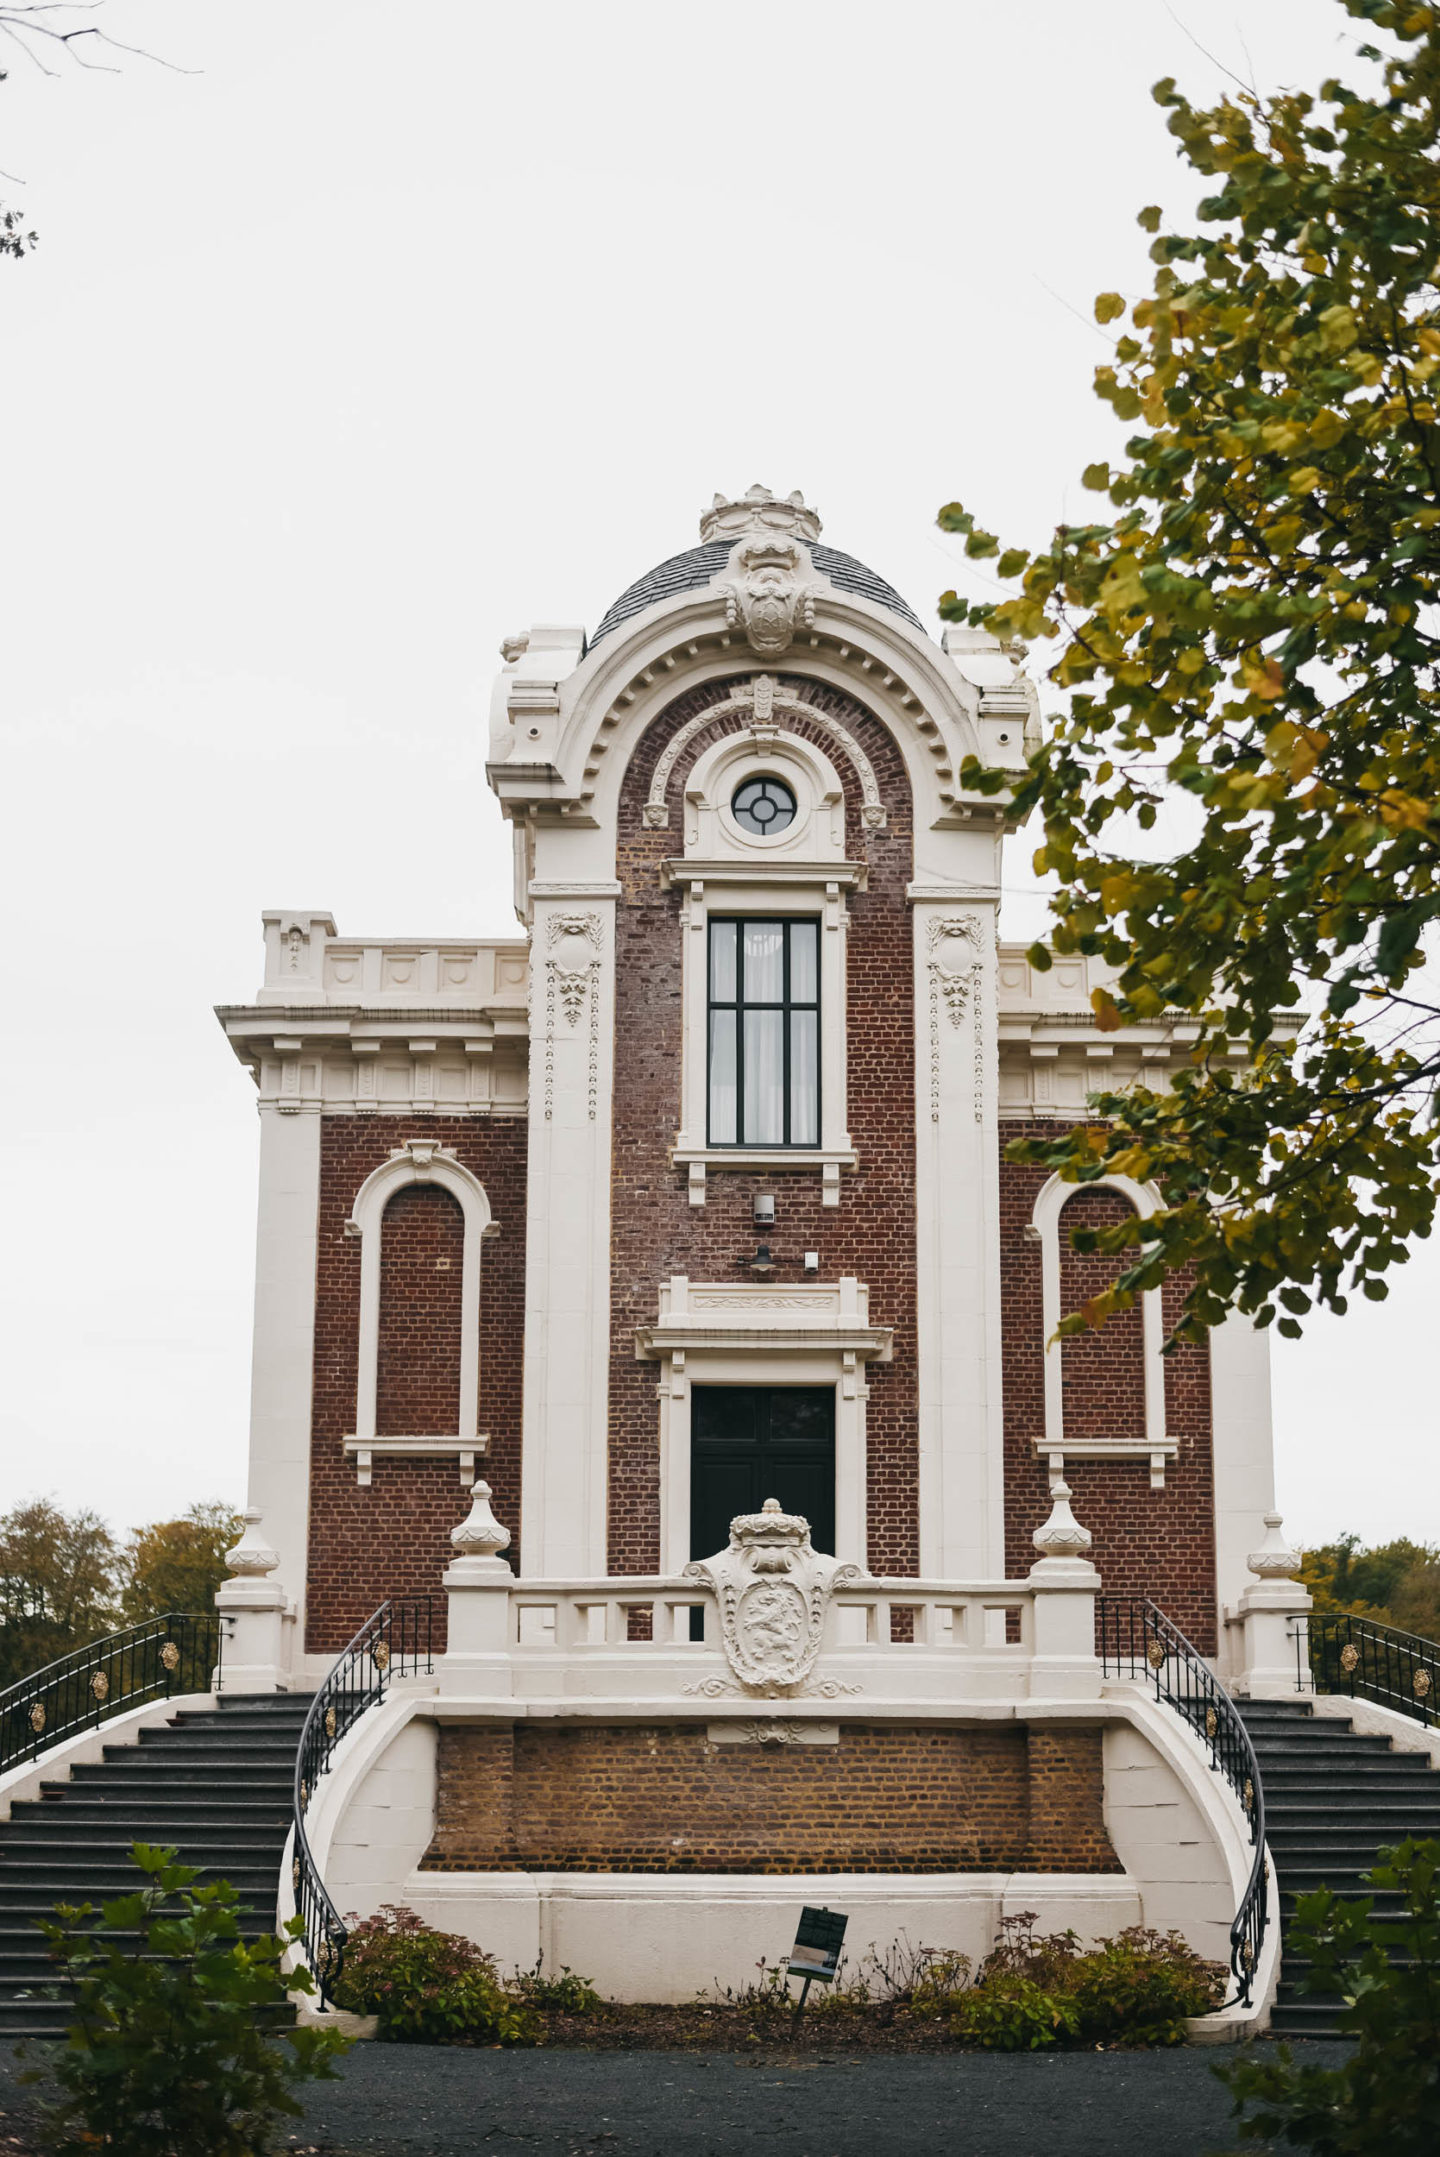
(672, 1238)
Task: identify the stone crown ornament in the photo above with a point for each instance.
(1274, 1560)
(759, 510)
(772, 1589)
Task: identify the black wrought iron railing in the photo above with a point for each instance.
(396, 1642)
(163, 1657)
(1336, 1653)
(1138, 1640)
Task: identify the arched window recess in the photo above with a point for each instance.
(425, 1161)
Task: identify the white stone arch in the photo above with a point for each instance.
(818, 831)
(1050, 1203)
(424, 1161)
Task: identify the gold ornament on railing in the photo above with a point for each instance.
(1420, 1684)
(380, 1655)
(37, 1717)
(1154, 1655)
(170, 1655)
(100, 1685)
(295, 1877)
(331, 1724)
(304, 1797)
(1349, 1657)
(1249, 1795)
(1212, 1722)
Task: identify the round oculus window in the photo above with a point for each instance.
(763, 806)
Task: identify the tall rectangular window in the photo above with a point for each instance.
(764, 1033)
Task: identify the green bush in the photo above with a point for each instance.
(566, 1994)
(177, 2043)
(1011, 2013)
(1136, 1989)
(1386, 2096)
(428, 1986)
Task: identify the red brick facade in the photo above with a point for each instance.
(393, 1539)
(1159, 1543)
(655, 1230)
(587, 1797)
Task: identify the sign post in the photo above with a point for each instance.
(816, 1953)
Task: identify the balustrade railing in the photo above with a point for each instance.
(158, 1659)
(1336, 1653)
(396, 1642)
(596, 1614)
(1137, 1640)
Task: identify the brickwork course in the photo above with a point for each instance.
(1159, 1543)
(656, 1231)
(393, 1539)
(586, 1797)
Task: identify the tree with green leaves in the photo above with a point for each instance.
(1252, 620)
(57, 1584)
(178, 1564)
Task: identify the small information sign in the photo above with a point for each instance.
(818, 1942)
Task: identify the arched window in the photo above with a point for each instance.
(1143, 1436)
(419, 1379)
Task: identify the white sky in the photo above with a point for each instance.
(393, 329)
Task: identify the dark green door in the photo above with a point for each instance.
(750, 1443)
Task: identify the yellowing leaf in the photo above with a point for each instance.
(1107, 1017)
(1096, 477)
(1264, 678)
(1108, 307)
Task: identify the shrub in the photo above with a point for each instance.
(566, 1994)
(1011, 2013)
(1386, 2096)
(176, 2043)
(428, 1986)
(1136, 1989)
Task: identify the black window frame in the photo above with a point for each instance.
(740, 1004)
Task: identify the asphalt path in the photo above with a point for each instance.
(404, 2100)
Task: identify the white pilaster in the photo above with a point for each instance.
(282, 1368)
(567, 1266)
(1243, 1449)
(957, 1200)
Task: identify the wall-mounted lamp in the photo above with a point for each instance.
(762, 1262)
(812, 1261)
(764, 1211)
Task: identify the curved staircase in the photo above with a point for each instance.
(216, 1783)
(1333, 1801)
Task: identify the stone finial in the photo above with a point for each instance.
(480, 1534)
(252, 1558)
(759, 510)
(1274, 1560)
(1062, 1536)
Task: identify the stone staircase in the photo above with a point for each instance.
(1333, 1801)
(216, 1783)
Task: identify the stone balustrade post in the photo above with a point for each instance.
(1271, 1615)
(478, 1582)
(1064, 1665)
(252, 1614)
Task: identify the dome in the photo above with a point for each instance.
(759, 511)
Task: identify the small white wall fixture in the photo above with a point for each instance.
(422, 1161)
(1155, 1446)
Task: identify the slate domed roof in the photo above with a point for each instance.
(692, 570)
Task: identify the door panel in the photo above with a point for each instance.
(750, 1443)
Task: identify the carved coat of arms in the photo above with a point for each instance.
(772, 1590)
(768, 598)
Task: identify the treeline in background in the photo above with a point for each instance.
(66, 1578)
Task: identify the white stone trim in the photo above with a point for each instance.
(1155, 1447)
(419, 1160)
(363, 1451)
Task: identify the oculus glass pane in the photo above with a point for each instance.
(763, 806)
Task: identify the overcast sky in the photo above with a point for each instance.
(387, 331)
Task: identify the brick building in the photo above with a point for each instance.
(576, 1247)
